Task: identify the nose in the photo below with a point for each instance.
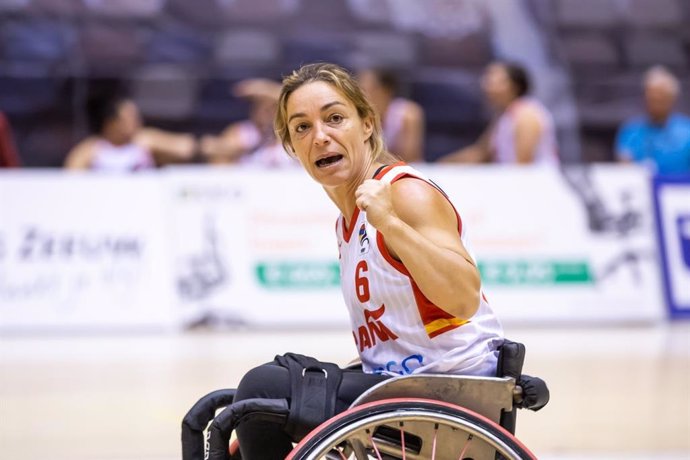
(321, 137)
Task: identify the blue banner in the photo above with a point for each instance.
(672, 206)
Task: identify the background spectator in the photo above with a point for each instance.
(402, 120)
(250, 141)
(522, 130)
(121, 144)
(661, 137)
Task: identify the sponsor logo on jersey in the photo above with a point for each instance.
(363, 240)
(373, 329)
(404, 367)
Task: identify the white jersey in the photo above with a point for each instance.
(503, 135)
(120, 158)
(393, 121)
(398, 330)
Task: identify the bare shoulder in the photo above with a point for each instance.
(418, 202)
(528, 112)
(413, 111)
(81, 155)
(87, 143)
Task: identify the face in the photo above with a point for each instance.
(262, 112)
(497, 86)
(368, 82)
(327, 134)
(659, 99)
(372, 88)
(128, 121)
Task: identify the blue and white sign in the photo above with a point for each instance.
(672, 197)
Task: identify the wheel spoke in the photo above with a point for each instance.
(402, 440)
(464, 449)
(373, 444)
(433, 447)
(358, 445)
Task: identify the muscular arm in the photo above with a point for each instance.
(420, 229)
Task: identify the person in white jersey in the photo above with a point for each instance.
(412, 288)
(250, 142)
(120, 144)
(402, 120)
(522, 130)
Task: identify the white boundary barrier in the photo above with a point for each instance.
(242, 246)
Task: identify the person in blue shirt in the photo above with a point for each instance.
(660, 139)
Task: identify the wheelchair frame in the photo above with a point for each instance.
(419, 417)
(413, 417)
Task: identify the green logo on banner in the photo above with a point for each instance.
(535, 272)
(287, 275)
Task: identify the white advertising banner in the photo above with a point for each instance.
(83, 252)
(227, 246)
(673, 218)
(254, 247)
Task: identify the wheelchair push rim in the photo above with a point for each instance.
(409, 429)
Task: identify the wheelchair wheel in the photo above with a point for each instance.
(409, 429)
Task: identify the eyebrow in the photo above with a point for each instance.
(324, 108)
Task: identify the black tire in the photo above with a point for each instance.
(372, 418)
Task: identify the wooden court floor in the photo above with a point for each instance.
(617, 392)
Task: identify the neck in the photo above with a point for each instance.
(116, 138)
(659, 119)
(510, 102)
(344, 195)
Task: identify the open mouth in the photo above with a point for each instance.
(327, 161)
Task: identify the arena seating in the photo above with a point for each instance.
(52, 49)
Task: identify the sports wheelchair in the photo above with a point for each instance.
(415, 417)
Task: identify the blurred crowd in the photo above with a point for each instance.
(521, 129)
(525, 81)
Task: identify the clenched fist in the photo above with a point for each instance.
(375, 198)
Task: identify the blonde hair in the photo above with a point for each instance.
(344, 83)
